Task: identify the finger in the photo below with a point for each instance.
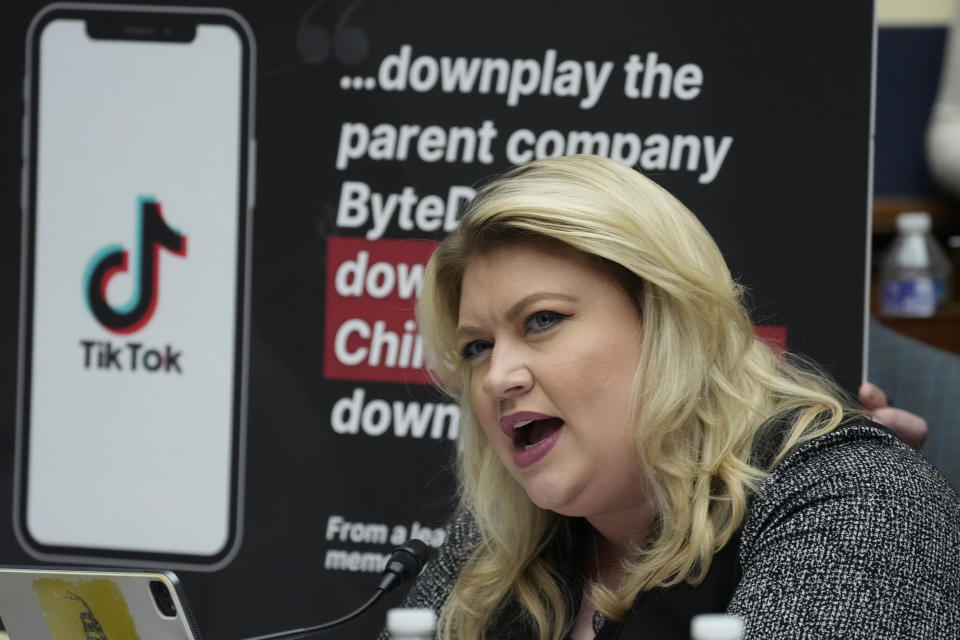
(871, 396)
(909, 427)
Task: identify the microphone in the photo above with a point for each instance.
(406, 563)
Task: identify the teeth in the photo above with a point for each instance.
(522, 424)
(527, 447)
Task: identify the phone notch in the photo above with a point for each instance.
(145, 26)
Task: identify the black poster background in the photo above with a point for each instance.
(790, 83)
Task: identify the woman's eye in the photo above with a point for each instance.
(473, 349)
(542, 320)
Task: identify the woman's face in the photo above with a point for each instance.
(553, 342)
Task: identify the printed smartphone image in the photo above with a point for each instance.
(138, 192)
(71, 604)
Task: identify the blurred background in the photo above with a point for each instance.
(911, 46)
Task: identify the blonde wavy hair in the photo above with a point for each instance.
(708, 387)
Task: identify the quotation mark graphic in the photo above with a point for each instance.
(152, 235)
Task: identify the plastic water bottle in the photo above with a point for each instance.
(411, 624)
(716, 626)
(915, 270)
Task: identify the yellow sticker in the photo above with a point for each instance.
(92, 609)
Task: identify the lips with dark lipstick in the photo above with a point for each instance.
(533, 434)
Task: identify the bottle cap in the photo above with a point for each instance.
(913, 222)
(716, 626)
(411, 621)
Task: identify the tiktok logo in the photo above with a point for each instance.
(153, 234)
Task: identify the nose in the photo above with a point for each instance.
(507, 375)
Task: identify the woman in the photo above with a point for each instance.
(631, 455)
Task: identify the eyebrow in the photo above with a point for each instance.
(517, 308)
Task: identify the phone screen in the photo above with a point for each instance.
(132, 403)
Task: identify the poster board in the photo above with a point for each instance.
(374, 120)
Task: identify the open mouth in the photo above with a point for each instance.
(529, 433)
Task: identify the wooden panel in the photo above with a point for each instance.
(943, 214)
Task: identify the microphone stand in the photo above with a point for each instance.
(406, 563)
